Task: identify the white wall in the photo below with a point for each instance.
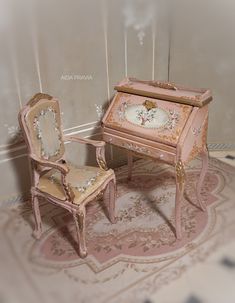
(203, 54)
(75, 50)
(51, 45)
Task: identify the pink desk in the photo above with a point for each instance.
(162, 121)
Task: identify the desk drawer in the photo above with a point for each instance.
(139, 148)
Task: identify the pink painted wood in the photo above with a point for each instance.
(43, 162)
(129, 164)
(109, 199)
(205, 158)
(182, 141)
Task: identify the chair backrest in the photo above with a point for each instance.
(40, 121)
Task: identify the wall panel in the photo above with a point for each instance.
(76, 51)
(202, 54)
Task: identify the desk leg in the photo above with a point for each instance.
(180, 184)
(37, 216)
(130, 164)
(110, 199)
(202, 177)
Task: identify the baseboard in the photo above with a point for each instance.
(221, 146)
(14, 199)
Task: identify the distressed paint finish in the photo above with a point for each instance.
(176, 141)
(69, 197)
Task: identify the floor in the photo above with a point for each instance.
(224, 156)
(136, 260)
(210, 281)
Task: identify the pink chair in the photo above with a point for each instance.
(61, 183)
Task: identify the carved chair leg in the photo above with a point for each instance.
(180, 184)
(205, 158)
(130, 164)
(79, 218)
(37, 217)
(110, 199)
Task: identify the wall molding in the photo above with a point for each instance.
(153, 48)
(76, 129)
(211, 146)
(14, 199)
(79, 126)
(17, 145)
(82, 128)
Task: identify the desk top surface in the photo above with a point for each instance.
(165, 91)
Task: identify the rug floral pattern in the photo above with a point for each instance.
(145, 225)
(135, 256)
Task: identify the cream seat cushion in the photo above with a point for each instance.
(84, 180)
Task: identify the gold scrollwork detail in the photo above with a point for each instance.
(160, 84)
(180, 173)
(81, 218)
(102, 163)
(67, 189)
(165, 85)
(149, 104)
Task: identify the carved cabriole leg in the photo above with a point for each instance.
(79, 218)
(180, 184)
(130, 164)
(35, 203)
(37, 216)
(110, 199)
(205, 158)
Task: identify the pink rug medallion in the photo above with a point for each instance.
(130, 259)
(145, 227)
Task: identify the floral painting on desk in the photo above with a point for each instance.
(148, 117)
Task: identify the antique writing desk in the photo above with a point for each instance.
(162, 121)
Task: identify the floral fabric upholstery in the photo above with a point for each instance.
(83, 180)
(44, 129)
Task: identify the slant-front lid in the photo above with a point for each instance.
(165, 91)
(149, 118)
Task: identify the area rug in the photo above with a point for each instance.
(128, 261)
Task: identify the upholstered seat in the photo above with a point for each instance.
(53, 178)
(83, 180)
